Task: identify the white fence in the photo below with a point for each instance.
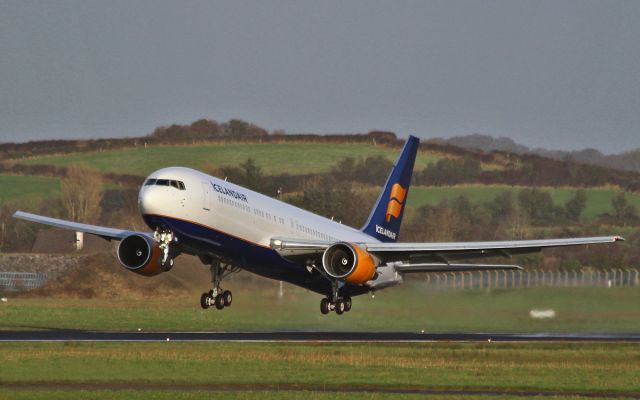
(16, 281)
(532, 278)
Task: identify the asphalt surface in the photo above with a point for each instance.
(328, 337)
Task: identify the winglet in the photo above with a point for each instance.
(386, 216)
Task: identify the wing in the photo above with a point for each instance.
(438, 257)
(467, 250)
(104, 232)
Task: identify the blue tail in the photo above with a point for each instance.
(386, 216)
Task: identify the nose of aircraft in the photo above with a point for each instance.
(149, 200)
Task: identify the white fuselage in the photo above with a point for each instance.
(237, 211)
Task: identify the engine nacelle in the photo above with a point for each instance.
(141, 255)
(348, 262)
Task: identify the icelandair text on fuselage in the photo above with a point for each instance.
(386, 232)
(229, 192)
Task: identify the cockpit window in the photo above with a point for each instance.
(165, 182)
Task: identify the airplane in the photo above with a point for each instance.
(231, 228)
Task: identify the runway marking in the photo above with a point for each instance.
(293, 387)
(306, 337)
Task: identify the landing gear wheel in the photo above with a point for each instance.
(211, 292)
(204, 300)
(347, 304)
(228, 298)
(219, 302)
(167, 265)
(325, 306)
(340, 308)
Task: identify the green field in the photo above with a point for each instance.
(326, 371)
(35, 393)
(223, 393)
(411, 307)
(259, 368)
(15, 188)
(295, 158)
(598, 199)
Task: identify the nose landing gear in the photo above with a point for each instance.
(164, 238)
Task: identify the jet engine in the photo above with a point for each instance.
(349, 262)
(140, 254)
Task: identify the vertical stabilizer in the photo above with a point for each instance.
(386, 216)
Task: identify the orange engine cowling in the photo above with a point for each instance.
(140, 254)
(349, 262)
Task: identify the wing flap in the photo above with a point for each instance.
(104, 232)
(444, 267)
(299, 250)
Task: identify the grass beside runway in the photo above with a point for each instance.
(410, 308)
(501, 367)
(241, 395)
(297, 370)
(199, 395)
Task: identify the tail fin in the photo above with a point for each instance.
(386, 216)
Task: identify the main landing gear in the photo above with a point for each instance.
(335, 303)
(217, 297)
(341, 306)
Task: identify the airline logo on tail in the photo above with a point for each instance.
(386, 216)
(396, 201)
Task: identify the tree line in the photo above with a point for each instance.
(348, 198)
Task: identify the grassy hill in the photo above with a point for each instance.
(27, 189)
(598, 199)
(294, 158)
(273, 158)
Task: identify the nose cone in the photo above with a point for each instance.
(150, 201)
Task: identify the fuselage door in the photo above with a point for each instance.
(206, 196)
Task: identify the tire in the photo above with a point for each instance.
(324, 306)
(219, 302)
(340, 307)
(228, 298)
(347, 304)
(166, 267)
(204, 301)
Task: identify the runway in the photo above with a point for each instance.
(322, 337)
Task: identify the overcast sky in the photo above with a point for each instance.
(554, 74)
